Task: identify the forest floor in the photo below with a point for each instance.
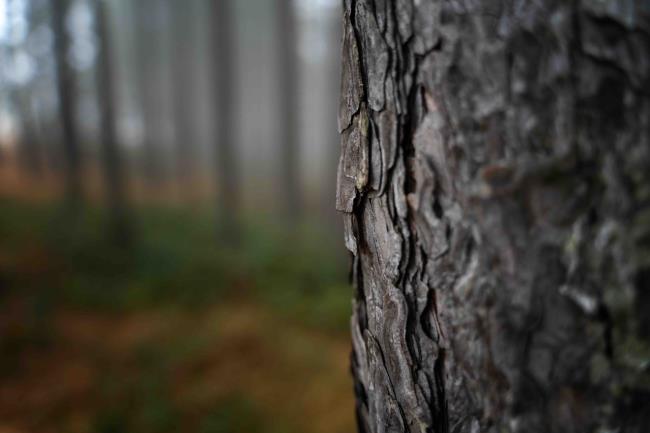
(176, 333)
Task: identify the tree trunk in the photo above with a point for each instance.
(120, 228)
(30, 149)
(288, 107)
(147, 65)
(223, 73)
(67, 104)
(495, 185)
(183, 85)
(333, 36)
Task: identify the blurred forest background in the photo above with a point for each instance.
(170, 259)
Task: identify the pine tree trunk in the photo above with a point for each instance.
(30, 148)
(223, 62)
(147, 63)
(496, 195)
(120, 227)
(333, 36)
(288, 107)
(67, 105)
(183, 92)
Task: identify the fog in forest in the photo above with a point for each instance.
(170, 256)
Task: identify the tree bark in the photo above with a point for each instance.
(496, 195)
(67, 105)
(120, 227)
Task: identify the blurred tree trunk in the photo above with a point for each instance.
(288, 107)
(67, 105)
(120, 228)
(495, 185)
(332, 142)
(29, 150)
(183, 86)
(146, 64)
(223, 81)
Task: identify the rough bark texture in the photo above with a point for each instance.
(496, 193)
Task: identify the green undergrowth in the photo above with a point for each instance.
(175, 260)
